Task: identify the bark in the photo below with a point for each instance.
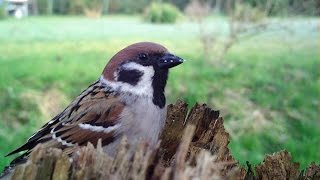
(193, 145)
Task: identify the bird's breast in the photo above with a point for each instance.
(145, 121)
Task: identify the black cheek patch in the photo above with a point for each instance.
(130, 76)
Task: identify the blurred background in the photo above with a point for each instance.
(256, 61)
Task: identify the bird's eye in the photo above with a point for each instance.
(143, 56)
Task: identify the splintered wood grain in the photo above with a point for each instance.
(61, 170)
(193, 145)
(173, 130)
(278, 166)
(47, 163)
(313, 171)
(18, 173)
(180, 161)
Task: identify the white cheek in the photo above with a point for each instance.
(142, 88)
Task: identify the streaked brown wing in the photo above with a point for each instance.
(92, 116)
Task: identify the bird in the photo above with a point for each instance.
(127, 100)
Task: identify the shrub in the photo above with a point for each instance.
(75, 7)
(42, 6)
(128, 6)
(161, 13)
(246, 13)
(91, 8)
(61, 7)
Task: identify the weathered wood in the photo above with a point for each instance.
(193, 145)
(173, 129)
(180, 160)
(278, 166)
(61, 169)
(312, 172)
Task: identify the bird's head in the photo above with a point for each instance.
(141, 69)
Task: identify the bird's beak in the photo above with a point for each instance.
(169, 60)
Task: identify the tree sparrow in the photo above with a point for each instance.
(127, 100)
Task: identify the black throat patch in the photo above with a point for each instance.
(159, 83)
(130, 76)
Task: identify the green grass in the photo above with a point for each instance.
(267, 88)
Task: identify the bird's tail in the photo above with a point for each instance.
(8, 170)
(7, 173)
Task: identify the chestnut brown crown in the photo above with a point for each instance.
(131, 52)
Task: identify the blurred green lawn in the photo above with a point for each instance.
(267, 89)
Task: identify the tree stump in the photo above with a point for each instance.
(193, 145)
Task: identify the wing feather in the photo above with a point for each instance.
(93, 115)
